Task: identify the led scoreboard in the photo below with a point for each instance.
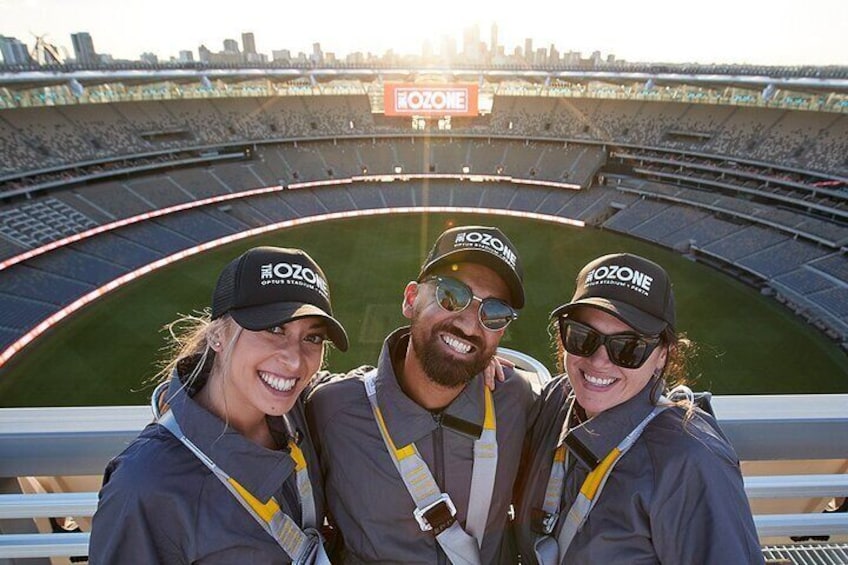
(402, 99)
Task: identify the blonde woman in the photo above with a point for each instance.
(227, 472)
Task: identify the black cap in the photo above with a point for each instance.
(269, 286)
(633, 289)
(483, 245)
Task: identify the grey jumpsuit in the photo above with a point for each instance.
(675, 497)
(160, 504)
(367, 499)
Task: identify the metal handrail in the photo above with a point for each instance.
(81, 440)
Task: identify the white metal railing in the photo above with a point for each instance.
(80, 441)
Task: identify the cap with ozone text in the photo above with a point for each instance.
(484, 245)
(269, 286)
(633, 289)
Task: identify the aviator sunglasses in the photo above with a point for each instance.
(627, 350)
(454, 296)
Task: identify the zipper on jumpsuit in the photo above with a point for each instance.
(439, 461)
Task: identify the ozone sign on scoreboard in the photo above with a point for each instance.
(430, 100)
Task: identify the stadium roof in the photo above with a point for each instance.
(801, 79)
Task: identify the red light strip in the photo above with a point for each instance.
(129, 221)
(258, 191)
(55, 318)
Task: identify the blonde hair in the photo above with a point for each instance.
(188, 337)
(188, 351)
(188, 348)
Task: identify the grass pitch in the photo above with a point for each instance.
(104, 354)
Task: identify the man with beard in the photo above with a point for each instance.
(418, 456)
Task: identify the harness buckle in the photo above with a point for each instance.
(437, 516)
(543, 522)
(549, 523)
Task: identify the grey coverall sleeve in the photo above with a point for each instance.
(135, 524)
(700, 512)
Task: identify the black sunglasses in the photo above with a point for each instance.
(455, 296)
(627, 350)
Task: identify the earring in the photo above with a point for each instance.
(216, 345)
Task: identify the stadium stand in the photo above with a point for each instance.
(155, 237)
(744, 242)
(40, 222)
(638, 213)
(714, 181)
(116, 200)
(118, 250)
(805, 281)
(833, 265)
(663, 227)
(781, 258)
(78, 266)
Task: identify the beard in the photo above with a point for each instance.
(446, 370)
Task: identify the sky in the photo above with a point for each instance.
(802, 32)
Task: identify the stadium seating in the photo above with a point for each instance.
(731, 202)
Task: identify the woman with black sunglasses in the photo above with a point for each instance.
(620, 468)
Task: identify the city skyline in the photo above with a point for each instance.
(650, 31)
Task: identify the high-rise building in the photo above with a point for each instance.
(541, 56)
(84, 48)
(255, 57)
(355, 58)
(471, 43)
(571, 58)
(317, 54)
(447, 51)
(596, 58)
(231, 46)
(528, 50)
(229, 56)
(14, 51)
(186, 56)
(282, 55)
(493, 45)
(248, 43)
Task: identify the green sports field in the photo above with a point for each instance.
(104, 354)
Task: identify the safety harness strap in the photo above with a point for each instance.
(549, 553)
(434, 510)
(483, 473)
(304, 547)
(304, 486)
